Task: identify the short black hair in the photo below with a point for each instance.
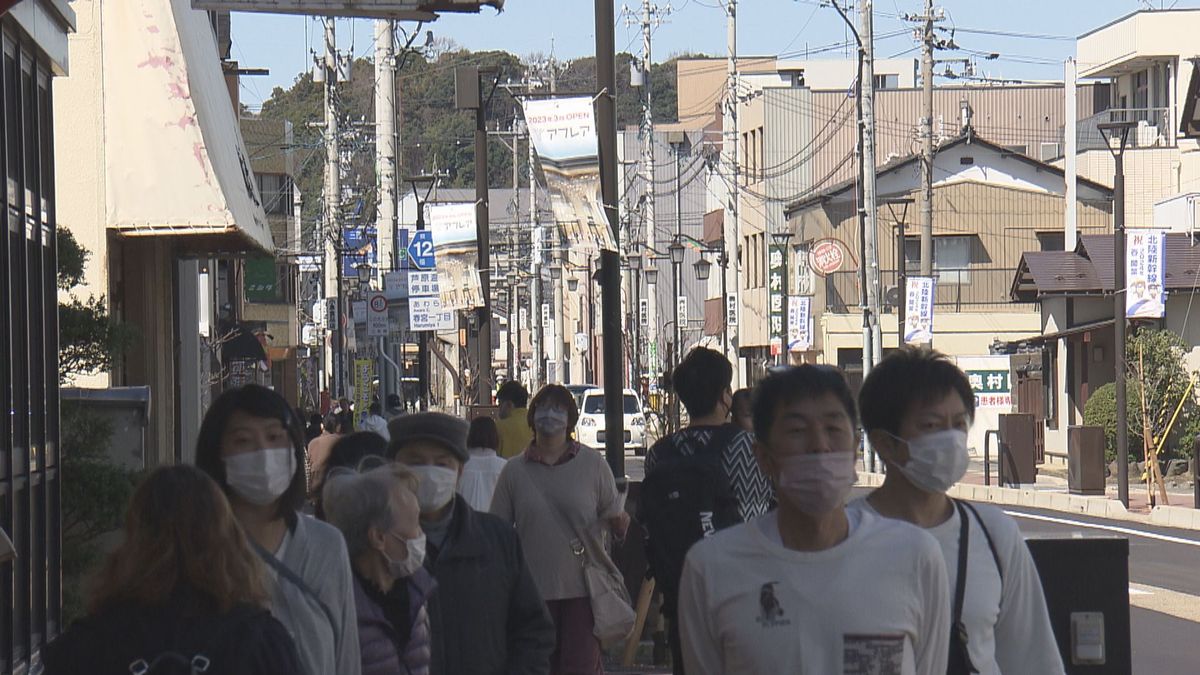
(483, 433)
(264, 403)
(514, 392)
(375, 409)
(786, 385)
(700, 379)
(350, 450)
(908, 376)
(742, 397)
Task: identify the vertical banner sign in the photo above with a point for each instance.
(643, 312)
(681, 314)
(775, 310)
(918, 305)
(731, 311)
(1144, 259)
(377, 315)
(363, 373)
(546, 316)
(563, 131)
(456, 253)
(799, 323)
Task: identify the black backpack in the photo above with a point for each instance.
(173, 662)
(684, 498)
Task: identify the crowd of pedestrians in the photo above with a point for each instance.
(425, 544)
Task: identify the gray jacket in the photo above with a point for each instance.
(316, 552)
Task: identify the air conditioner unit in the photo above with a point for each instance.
(1048, 152)
(892, 296)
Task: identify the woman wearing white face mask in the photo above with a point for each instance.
(917, 407)
(561, 497)
(377, 512)
(252, 445)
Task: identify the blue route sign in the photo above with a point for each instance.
(420, 250)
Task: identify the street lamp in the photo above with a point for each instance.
(676, 250)
(364, 275)
(422, 186)
(703, 269)
(1117, 135)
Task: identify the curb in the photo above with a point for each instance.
(1176, 517)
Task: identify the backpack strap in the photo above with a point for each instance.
(991, 544)
(288, 574)
(960, 582)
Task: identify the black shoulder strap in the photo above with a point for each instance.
(286, 572)
(964, 544)
(991, 544)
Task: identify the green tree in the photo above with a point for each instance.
(94, 489)
(1166, 383)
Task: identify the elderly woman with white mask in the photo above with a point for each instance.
(556, 493)
(378, 514)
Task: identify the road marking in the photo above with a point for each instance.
(1165, 601)
(1108, 528)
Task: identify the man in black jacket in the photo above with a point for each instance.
(487, 616)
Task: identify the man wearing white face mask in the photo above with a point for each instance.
(917, 407)
(377, 513)
(809, 588)
(487, 617)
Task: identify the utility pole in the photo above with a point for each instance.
(333, 201)
(870, 208)
(610, 261)
(927, 45)
(483, 322)
(732, 234)
(385, 165)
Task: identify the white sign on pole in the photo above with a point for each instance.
(681, 314)
(546, 316)
(731, 311)
(377, 315)
(523, 317)
(395, 285)
(918, 322)
(318, 313)
(799, 323)
(1145, 259)
(427, 314)
(422, 284)
(643, 312)
(581, 342)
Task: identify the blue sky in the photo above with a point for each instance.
(765, 27)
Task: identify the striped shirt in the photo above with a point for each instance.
(749, 486)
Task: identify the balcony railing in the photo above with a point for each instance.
(1155, 128)
(957, 290)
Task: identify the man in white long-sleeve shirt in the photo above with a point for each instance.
(809, 589)
(917, 407)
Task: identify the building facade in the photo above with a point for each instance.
(33, 42)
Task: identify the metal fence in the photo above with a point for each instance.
(1155, 128)
(958, 290)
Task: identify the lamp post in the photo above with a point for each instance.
(1117, 135)
(560, 356)
(901, 261)
(635, 267)
(676, 250)
(652, 340)
(422, 186)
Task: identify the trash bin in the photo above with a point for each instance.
(1086, 583)
(1018, 450)
(1085, 460)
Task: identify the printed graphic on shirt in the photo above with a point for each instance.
(771, 614)
(750, 487)
(872, 654)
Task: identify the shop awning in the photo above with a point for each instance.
(175, 163)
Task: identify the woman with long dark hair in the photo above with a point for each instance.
(251, 444)
(182, 589)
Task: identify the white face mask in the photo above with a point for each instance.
(936, 461)
(260, 477)
(436, 486)
(400, 569)
(550, 421)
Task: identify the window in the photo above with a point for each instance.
(1052, 241)
(594, 404)
(951, 258)
(276, 192)
(886, 81)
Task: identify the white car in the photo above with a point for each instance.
(590, 429)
